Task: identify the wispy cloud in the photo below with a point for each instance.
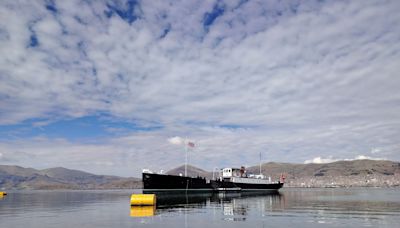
(292, 79)
(329, 159)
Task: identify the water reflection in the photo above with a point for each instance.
(364, 207)
(48, 202)
(166, 200)
(142, 211)
(235, 204)
(289, 207)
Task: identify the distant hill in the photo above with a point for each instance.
(339, 168)
(16, 177)
(192, 171)
(336, 174)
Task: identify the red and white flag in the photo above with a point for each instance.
(190, 144)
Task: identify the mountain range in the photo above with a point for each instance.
(16, 177)
(357, 173)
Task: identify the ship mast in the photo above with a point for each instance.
(186, 156)
(187, 143)
(260, 163)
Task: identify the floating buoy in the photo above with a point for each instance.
(142, 211)
(143, 199)
(3, 193)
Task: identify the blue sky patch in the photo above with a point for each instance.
(51, 6)
(165, 32)
(210, 17)
(126, 11)
(86, 128)
(33, 40)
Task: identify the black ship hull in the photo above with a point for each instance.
(171, 182)
(160, 182)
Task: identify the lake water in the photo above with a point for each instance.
(363, 207)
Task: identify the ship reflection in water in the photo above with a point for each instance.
(234, 205)
(142, 211)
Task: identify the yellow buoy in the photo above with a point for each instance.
(3, 193)
(142, 211)
(143, 199)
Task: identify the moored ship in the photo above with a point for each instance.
(230, 179)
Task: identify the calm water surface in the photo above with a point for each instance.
(363, 207)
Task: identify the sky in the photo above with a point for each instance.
(114, 87)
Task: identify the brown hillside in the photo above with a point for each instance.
(192, 171)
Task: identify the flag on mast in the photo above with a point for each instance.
(190, 144)
(187, 144)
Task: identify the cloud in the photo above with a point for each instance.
(319, 160)
(363, 157)
(375, 150)
(193, 74)
(176, 140)
(285, 78)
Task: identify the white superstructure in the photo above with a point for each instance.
(237, 175)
